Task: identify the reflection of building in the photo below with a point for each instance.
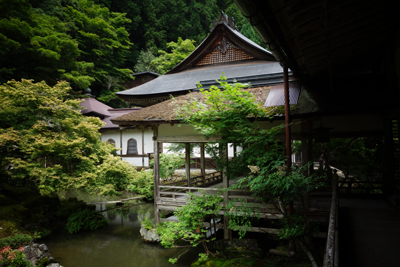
(135, 144)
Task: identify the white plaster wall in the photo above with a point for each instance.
(128, 134)
(148, 141)
(136, 161)
(112, 134)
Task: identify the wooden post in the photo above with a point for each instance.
(305, 157)
(156, 175)
(287, 120)
(187, 163)
(203, 162)
(310, 146)
(143, 148)
(120, 143)
(389, 153)
(223, 153)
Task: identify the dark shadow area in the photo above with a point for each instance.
(369, 232)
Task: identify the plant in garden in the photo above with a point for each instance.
(189, 227)
(13, 258)
(142, 184)
(47, 143)
(234, 114)
(147, 223)
(85, 219)
(168, 164)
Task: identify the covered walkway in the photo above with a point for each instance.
(369, 232)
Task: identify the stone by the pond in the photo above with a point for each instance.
(54, 265)
(36, 252)
(149, 235)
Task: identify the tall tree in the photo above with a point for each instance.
(179, 51)
(47, 143)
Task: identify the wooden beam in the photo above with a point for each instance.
(187, 139)
(223, 153)
(156, 175)
(143, 148)
(187, 163)
(203, 162)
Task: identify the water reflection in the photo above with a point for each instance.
(118, 244)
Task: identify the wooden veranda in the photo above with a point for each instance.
(170, 195)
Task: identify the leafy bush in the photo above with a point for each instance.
(143, 184)
(85, 220)
(51, 145)
(189, 227)
(147, 223)
(169, 163)
(16, 240)
(13, 258)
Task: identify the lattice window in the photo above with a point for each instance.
(224, 51)
(132, 147)
(111, 141)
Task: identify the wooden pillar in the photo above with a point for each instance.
(203, 162)
(223, 153)
(187, 163)
(305, 157)
(156, 175)
(120, 142)
(234, 150)
(143, 148)
(310, 143)
(388, 178)
(287, 120)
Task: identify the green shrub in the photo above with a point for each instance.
(13, 258)
(85, 220)
(147, 223)
(16, 240)
(143, 184)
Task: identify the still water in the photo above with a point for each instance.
(117, 245)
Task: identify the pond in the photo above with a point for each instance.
(118, 244)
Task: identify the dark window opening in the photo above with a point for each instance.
(132, 147)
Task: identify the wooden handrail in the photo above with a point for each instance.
(331, 258)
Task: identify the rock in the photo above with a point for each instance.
(39, 252)
(54, 265)
(149, 235)
(43, 247)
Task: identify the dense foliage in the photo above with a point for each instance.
(46, 142)
(234, 114)
(189, 227)
(98, 43)
(77, 41)
(179, 51)
(85, 219)
(13, 258)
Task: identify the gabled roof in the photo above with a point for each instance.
(222, 37)
(187, 80)
(224, 51)
(91, 106)
(166, 111)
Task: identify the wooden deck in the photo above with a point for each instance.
(171, 196)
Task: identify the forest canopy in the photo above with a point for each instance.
(97, 43)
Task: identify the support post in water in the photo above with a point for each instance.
(156, 174)
(223, 153)
(187, 163)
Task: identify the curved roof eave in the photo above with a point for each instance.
(233, 35)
